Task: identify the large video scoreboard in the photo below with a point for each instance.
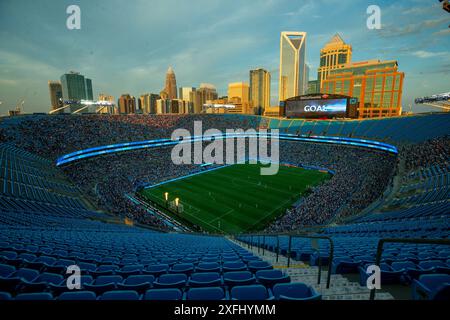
(320, 107)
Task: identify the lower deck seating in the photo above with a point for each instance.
(126, 263)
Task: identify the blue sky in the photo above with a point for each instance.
(127, 46)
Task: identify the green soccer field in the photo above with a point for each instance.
(235, 198)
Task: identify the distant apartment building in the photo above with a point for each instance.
(376, 84)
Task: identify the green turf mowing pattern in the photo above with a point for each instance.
(236, 198)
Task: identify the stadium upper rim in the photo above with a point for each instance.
(158, 143)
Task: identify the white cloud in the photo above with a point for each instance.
(443, 32)
(428, 54)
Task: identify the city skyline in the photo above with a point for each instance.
(415, 37)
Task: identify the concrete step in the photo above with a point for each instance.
(340, 288)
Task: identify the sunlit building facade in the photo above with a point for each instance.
(107, 109)
(147, 103)
(55, 90)
(171, 84)
(376, 84)
(127, 104)
(207, 92)
(191, 95)
(292, 64)
(239, 94)
(334, 55)
(260, 89)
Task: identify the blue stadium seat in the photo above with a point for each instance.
(5, 296)
(34, 296)
(41, 263)
(87, 267)
(294, 291)
(234, 266)
(259, 265)
(409, 268)
(251, 292)
(78, 295)
(432, 265)
(140, 283)
(208, 267)
(62, 287)
(271, 277)
(104, 283)
(163, 294)
(343, 265)
(41, 282)
(388, 275)
(157, 269)
(131, 269)
(171, 281)
(209, 293)
(431, 287)
(6, 270)
(186, 268)
(105, 269)
(205, 279)
(120, 295)
(238, 278)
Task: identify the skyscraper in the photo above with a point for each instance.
(191, 95)
(55, 90)
(89, 93)
(239, 90)
(239, 94)
(207, 92)
(305, 83)
(334, 55)
(292, 64)
(148, 103)
(260, 89)
(74, 86)
(171, 84)
(127, 104)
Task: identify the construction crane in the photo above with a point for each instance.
(19, 108)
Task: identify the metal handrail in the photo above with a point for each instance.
(381, 243)
(296, 235)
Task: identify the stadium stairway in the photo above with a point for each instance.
(341, 287)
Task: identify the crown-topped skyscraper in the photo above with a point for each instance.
(334, 55)
(171, 84)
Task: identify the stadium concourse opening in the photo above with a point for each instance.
(233, 199)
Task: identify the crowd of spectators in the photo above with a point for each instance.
(56, 135)
(360, 176)
(426, 154)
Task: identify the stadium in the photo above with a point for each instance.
(101, 193)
